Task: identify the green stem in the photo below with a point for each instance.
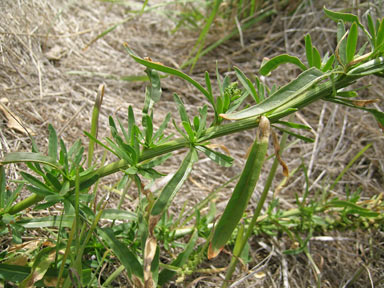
(321, 91)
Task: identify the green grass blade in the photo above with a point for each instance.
(242, 193)
(349, 165)
(174, 185)
(275, 62)
(292, 90)
(230, 35)
(201, 40)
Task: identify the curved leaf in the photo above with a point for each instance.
(25, 157)
(169, 70)
(174, 185)
(278, 60)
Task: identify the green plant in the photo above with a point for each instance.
(64, 177)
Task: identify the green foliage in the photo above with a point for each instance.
(145, 234)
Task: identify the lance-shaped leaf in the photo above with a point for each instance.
(172, 71)
(346, 17)
(174, 185)
(52, 146)
(219, 158)
(247, 84)
(242, 193)
(278, 60)
(155, 89)
(28, 157)
(352, 42)
(126, 257)
(294, 89)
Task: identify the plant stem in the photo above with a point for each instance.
(319, 92)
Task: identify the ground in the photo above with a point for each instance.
(52, 65)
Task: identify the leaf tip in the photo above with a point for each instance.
(212, 252)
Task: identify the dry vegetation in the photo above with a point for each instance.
(50, 72)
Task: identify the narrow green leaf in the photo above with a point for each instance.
(182, 111)
(148, 129)
(380, 34)
(196, 123)
(368, 68)
(371, 28)
(316, 60)
(301, 137)
(308, 50)
(202, 121)
(275, 62)
(174, 185)
(63, 160)
(189, 130)
(155, 89)
(355, 208)
(159, 133)
(155, 161)
(341, 43)
(168, 70)
(328, 65)
(126, 257)
(352, 42)
(131, 124)
(293, 125)
(294, 89)
(23, 157)
(219, 158)
(117, 214)
(52, 143)
(48, 221)
(346, 17)
(247, 84)
(54, 182)
(35, 182)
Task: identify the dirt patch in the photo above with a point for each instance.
(51, 67)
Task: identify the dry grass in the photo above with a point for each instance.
(48, 77)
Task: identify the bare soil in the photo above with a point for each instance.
(51, 67)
